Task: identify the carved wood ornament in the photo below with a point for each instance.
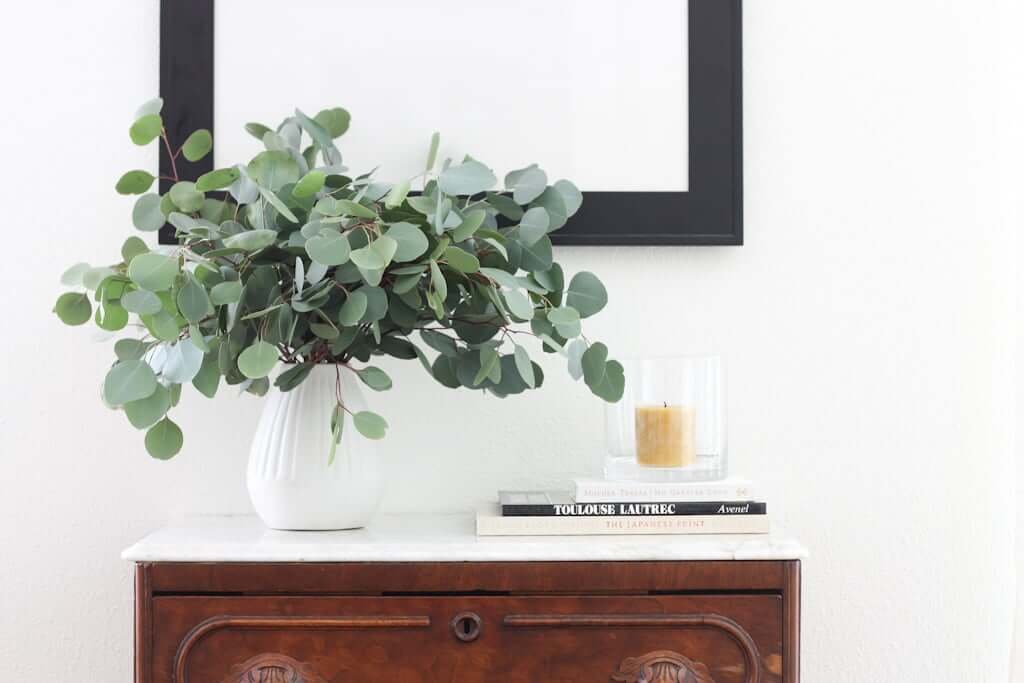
(272, 668)
(662, 666)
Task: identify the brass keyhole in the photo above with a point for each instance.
(466, 626)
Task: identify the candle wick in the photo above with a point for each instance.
(664, 404)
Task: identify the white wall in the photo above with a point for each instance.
(868, 323)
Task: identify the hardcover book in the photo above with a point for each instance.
(490, 522)
(601, 491)
(561, 504)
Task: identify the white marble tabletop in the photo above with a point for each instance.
(434, 538)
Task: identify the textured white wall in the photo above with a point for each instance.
(868, 323)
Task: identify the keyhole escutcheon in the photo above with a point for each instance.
(466, 626)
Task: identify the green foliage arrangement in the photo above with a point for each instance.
(289, 259)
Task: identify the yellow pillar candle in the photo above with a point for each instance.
(665, 436)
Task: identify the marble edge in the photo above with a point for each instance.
(518, 551)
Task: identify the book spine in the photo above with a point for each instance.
(493, 525)
(634, 509)
(612, 492)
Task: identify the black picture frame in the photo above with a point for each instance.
(710, 212)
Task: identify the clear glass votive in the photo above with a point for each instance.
(670, 423)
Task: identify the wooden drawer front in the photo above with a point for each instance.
(649, 639)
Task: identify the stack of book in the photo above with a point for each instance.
(597, 507)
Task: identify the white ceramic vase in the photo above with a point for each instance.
(291, 484)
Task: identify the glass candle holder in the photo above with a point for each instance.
(670, 423)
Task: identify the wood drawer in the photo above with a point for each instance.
(699, 638)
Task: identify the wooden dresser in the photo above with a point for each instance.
(420, 598)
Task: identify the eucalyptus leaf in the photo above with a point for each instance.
(186, 197)
(309, 184)
(134, 182)
(128, 380)
(586, 294)
(526, 184)
(370, 424)
(353, 309)
(193, 301)
(73, 308)
(328, 249)
(147, 215)
(164, 439)
(435, 142)
(226, 293)
(197, 145)
(153, 271)
(146, 129)
(461, 260)
(524, 366)
(467, 178)
(144, 413)
(375, 378)
(251, 240)
(257, 360)
(217, 179)
(182, 363)
(72, 277)
(141, 302)
(533, 225)
(410, 240)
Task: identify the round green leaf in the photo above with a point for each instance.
(565, 315)
(551, 200)
(572, 198)
(152, 106)
(146, 215)
(375, 378)
(612, 384)
(132, 247)
(141, 302)
(257, 360)
(461, 260)
(198, 145)
(164, 439)
(128, 380)
(309, 185)
(466, 178)
(251, 240)
(134, 182)
(161, 325)
(526, 184)
(73, 308)
(411, 241)
(72, 277)
(519, 304)
(376, 255)
(193, 301)
(353, 309)
(216, 179)
(146, 412)
(130, 349)
(328, 248)
(369, 424)
(152, 271)
(533, 225)
(335, 121)
(586, 294)
(186, 197)
(226, 292)
(146, 129)
(111, 316)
